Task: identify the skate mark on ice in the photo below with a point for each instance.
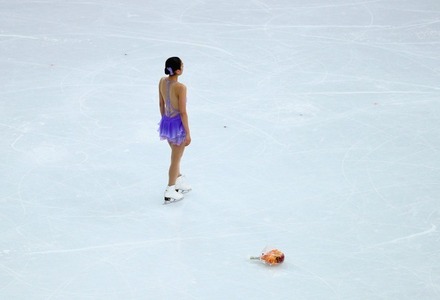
(433, 229)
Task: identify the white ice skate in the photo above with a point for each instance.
(172, 195)
(182, 185)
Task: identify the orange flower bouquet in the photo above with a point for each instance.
(270, 256)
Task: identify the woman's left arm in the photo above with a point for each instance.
(183, 113)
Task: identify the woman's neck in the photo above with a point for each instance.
(173, 78)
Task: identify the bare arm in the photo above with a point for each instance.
(161, 101)
(183, 113)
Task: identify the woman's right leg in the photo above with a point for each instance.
(176, 156)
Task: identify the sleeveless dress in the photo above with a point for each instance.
(170, 126)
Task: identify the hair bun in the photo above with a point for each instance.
(172, 65)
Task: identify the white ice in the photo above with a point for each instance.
(315, 127)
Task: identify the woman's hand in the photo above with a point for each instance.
(187, 140)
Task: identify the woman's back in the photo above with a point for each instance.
(169, 91)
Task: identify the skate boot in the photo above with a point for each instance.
(172, 195)
(182, 185)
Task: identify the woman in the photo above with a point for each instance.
(174, 126)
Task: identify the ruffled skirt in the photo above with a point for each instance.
(171, 129)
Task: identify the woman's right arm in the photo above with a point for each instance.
(161, 101)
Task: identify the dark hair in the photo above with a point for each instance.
(172, 65)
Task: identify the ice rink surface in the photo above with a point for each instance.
(315, 127)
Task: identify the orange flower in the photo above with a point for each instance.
(273, 257)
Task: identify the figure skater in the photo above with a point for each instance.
(173, 126)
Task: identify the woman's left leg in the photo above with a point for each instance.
(176, 156)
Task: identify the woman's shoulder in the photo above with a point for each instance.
(161, 81)
(177, 85)
(180, 85)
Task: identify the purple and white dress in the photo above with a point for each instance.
(170, 126)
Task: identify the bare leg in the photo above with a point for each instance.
(176, 155)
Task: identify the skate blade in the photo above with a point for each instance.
(183, 191)
(168, 200)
